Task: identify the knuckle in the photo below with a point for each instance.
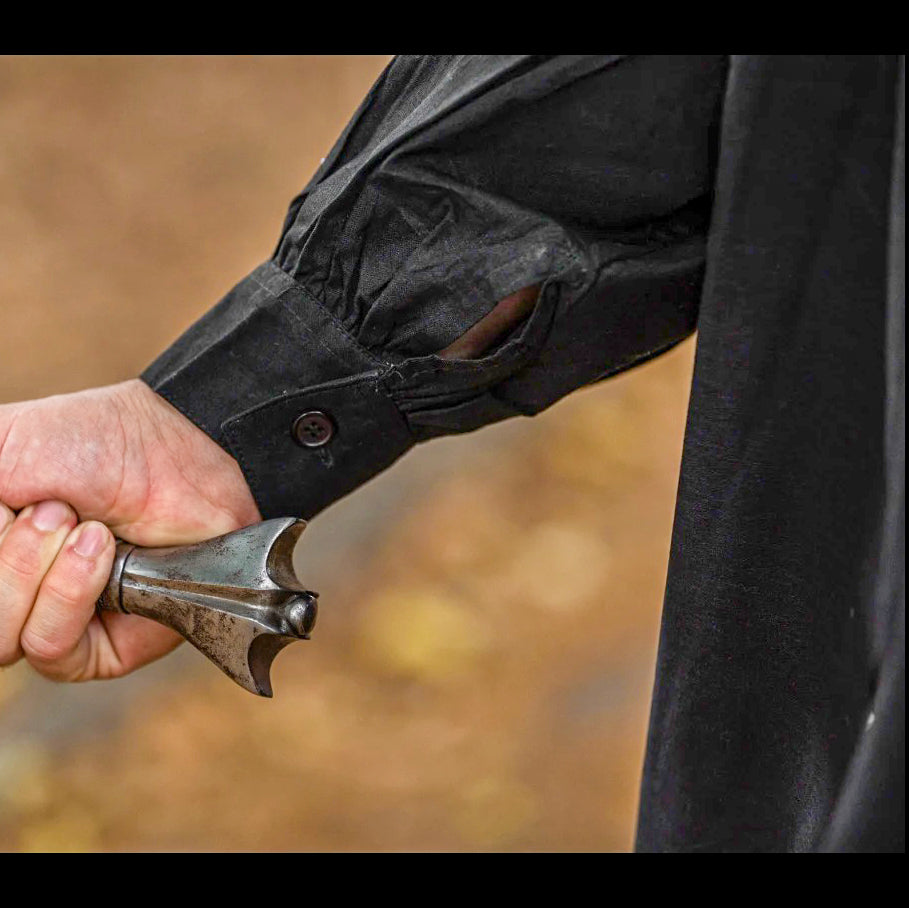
(67, 589)
(43, 648)
(21, 562)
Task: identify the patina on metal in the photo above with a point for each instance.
(236, 598)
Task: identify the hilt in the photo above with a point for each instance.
(235, 598)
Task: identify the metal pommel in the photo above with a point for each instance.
(235, 598)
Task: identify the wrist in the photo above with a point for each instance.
(170, 437)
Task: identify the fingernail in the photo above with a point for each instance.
(91, 541)
(50, 516)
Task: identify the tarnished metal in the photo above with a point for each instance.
(235, 598)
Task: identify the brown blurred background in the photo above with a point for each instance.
(480, 677)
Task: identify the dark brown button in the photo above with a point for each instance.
(313, 429)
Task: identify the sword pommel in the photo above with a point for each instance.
(236, 598)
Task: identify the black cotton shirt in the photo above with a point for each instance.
(757, 199)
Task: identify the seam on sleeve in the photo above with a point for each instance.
(312, 298)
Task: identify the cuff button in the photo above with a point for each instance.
(313, 429)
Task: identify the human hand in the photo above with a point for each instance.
(123, 460)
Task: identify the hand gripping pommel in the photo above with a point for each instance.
(236, 598)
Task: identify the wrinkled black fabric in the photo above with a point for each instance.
(755, 198)
(447, 192)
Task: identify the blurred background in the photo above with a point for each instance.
(481, 673)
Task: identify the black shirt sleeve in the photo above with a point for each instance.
(459, 181)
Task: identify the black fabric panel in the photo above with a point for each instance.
(766, 676)
(870, 809)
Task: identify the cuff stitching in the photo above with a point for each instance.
(296, 286)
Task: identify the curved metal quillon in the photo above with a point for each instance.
(236, 598)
